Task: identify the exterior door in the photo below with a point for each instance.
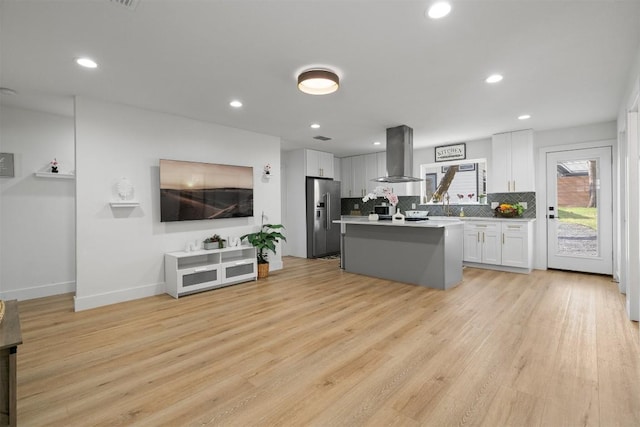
(579, 210)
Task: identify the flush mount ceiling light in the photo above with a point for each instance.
(494, 78)
(376, 143)
(86, 62)
(7, 91)
(235, 103)
(318, 82)
(314, 126)
(524, 117)
(439, 10)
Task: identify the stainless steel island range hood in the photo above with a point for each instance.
(399, 156)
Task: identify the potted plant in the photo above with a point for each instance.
(214, 242)
(265, 240)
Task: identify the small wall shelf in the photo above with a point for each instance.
(55, 175)
(125, 204)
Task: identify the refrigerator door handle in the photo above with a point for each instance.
(328, 205)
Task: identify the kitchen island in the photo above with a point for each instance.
(426, 253)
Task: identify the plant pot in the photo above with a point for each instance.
(211, 245)
(263, 270)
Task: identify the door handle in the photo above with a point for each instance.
(552, 216)
(328, 210)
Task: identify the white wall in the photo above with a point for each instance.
(597, 134)
(120, 252)
(629, 197)
(37, 215)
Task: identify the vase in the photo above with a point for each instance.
(397, 217)
(373, 217)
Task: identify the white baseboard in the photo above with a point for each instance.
(121, 295)
(39, 291)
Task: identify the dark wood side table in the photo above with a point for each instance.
(10, 339)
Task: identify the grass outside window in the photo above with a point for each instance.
(583, 216)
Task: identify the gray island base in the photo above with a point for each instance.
(427, 253)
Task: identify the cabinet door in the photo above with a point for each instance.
(472, 244)
(370, 172)
(491, 246)
(337, 169)
(381, 159)
(500, 165)
(346, 176)
(358, 173)
(312, 165)
(325, 164)
(515, 245)
(522, 169)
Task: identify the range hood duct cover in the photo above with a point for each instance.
(399, 156)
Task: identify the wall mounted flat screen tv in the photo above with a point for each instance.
(195, 191)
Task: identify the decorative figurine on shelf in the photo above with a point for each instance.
(267, 169)
(54, 166)
(125, 188)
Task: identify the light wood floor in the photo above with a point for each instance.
(312, 345)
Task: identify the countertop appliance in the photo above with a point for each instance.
(323, 207)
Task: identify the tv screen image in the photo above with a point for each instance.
(195, 191)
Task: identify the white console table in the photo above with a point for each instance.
(189, 272)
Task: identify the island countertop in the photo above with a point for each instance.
(425, 223)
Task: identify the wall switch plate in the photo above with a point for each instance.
(524, 205)
(494, 205)
(356, 206)
(413, 205)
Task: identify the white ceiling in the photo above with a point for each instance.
(566, 63)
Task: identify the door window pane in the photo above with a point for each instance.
(577, 193)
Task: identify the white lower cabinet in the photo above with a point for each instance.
(189, 272)
(482, 242)
(505, 245)
(516, 250)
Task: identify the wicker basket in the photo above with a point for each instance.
(263, 270)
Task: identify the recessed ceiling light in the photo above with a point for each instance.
(86, 62)
(314, 126)
(235, 103)
(524, 117)
(494, 78)
(318, 82)
(439, 10)
(376, 143)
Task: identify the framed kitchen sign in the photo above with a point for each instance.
(445, 153)
(6, 165)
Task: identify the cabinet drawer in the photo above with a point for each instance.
(195, 278)
(239, 270)
(481, 226)
(506, 227)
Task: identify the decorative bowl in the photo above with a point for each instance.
(416, 214)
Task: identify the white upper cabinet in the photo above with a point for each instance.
(357, 173)
(346, 176)
(511, 168)
(358, 182)
(318, 164)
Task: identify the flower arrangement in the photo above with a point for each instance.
(507, 210)
(385, 192)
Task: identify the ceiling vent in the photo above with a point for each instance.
(322, 138)
(129, 4)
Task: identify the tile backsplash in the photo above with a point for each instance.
(348, 205)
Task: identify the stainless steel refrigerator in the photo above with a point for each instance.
(323, 207)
